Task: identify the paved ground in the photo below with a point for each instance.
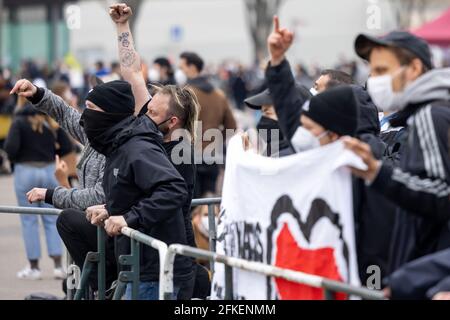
(12, 254)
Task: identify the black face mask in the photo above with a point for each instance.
(268, 124)
(164, 131)
(96, 124)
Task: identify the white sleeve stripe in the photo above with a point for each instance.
(425, 183)
(423, 145)
(434, 143)
(415, 183)
(428, 143)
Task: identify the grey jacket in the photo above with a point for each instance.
(91, 165)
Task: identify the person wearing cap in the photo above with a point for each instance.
(288, 96)
(402, 80)
(367, 203)
(269, 123)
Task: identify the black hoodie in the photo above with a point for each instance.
(141, 184)
(24, 144)
(374, 214)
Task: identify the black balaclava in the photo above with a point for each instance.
(266, 123)
(117, 100)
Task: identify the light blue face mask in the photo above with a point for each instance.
(304, 140)
(313, 91)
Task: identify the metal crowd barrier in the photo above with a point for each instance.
(167, 258)
(330, 286)
(137, 237)
(30, 210)
(98, 257)
(39, 211)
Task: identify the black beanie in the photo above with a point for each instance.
(113, 97)
(334, 109)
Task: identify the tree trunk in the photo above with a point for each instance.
(135, 5)
(404, 10)
(259, 15)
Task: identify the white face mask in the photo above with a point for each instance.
(153, 75)
(304, 140)
(381, 92)
(313, 91)
(180, 77)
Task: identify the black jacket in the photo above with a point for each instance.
(422, 278)
(287, 96)
(188, 172)
(374, 213)
(141, 184)
(420, 185)
(24, 144)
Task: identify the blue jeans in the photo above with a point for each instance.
(148, 291)
(26, 178)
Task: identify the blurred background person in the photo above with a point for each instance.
(161, 72)
(6, 109)
(32, 144)
(215, 113)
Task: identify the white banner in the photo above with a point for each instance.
(294, 212)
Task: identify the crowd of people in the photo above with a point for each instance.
(117, 156)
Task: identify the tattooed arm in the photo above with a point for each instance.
(130, 61)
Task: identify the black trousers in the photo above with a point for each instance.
(80, 237)
(206, 179)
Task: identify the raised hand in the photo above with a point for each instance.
(279, 42)
(61, 170)
(24, 88)
(120, 12)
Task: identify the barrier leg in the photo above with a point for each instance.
(212, 232)
(328, 294)
(228, 283)
(120, 289)
(91, 258)
(167, 282)
(69, 262)
(132, 276)
(101, 263)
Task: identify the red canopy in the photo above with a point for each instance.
(437, 31)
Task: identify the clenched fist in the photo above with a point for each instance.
(120, 13)
(24, 88)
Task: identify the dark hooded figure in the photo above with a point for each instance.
(374, 214)
(143, 190)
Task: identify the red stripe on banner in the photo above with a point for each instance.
(320, 262)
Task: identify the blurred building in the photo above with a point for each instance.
(33, 29)
(325, 29)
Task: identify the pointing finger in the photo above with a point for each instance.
(276, 24)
